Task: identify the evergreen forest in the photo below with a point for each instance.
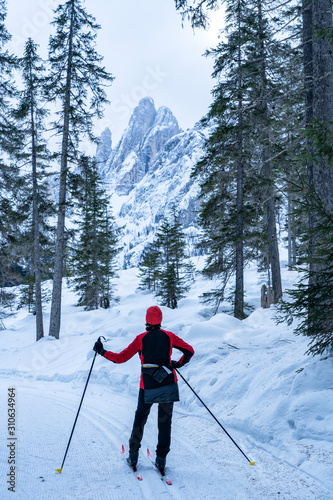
(268, 157)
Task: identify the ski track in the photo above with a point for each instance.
(203, 463)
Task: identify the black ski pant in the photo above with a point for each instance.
(164, 426)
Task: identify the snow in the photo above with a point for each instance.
(273, 400)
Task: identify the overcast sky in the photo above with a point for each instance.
(144, 47)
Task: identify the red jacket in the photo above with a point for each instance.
(154, 347)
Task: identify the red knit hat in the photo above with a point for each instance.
(154, 316)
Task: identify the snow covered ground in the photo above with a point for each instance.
(275, 402)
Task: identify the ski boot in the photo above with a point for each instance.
(160, 463)
(132, 458)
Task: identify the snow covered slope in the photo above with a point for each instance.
(274, 401)
(148, 173)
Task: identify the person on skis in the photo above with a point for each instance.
(158, 382)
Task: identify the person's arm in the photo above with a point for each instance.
(122, 356)
(185, 348)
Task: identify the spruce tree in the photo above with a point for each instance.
(149, 268)
(291, 137)
(233, 188)
(37, 203)
(321, 130)
(274, 102)
(280, 134)
(306, 165)
(9, 172)
(266, 89)
(96, 241)
(8, 130)
(175, 274)
(311, 298)
(76, 81)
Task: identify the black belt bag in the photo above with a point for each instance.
(159, 373)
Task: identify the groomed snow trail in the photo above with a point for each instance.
(203, 463)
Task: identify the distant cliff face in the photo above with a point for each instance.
(149, 172)
(167, 183)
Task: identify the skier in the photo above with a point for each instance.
(158, 382)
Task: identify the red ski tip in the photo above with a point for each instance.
(123, 449)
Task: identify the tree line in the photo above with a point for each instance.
(270, 150)
(72, 84)
(269, 154)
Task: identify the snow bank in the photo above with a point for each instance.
(253, 374)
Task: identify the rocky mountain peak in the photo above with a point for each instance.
(149, 171)
(148, 130)
(164, 127)
(141, 121)
(144, 112)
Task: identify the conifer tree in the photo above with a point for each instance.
(265, 89)
(37, 203)
(9, 142)
(310, 193)
(235, 171)
(311, 298)
(175, 274)
(149, 268)
(8, 131)
(76, 81)
(96, 244)
(321, 130)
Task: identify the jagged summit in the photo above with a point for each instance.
(140, 123)
(164, 127)
(148, 130)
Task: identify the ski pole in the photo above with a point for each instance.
(227, 433)
(78, 411)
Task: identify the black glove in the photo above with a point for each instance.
(175, 364)
(98, 347)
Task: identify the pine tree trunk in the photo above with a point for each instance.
(292, 255)
(35, 212)
(37, 270)
(323, 95)
(307, 18)
(289, 232)
(323, 167)
(239, 288)
(293, 236)
(274, 257)
(273, 248)
(55, 317)
(96, 290)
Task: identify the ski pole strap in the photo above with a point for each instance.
(227, 433)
